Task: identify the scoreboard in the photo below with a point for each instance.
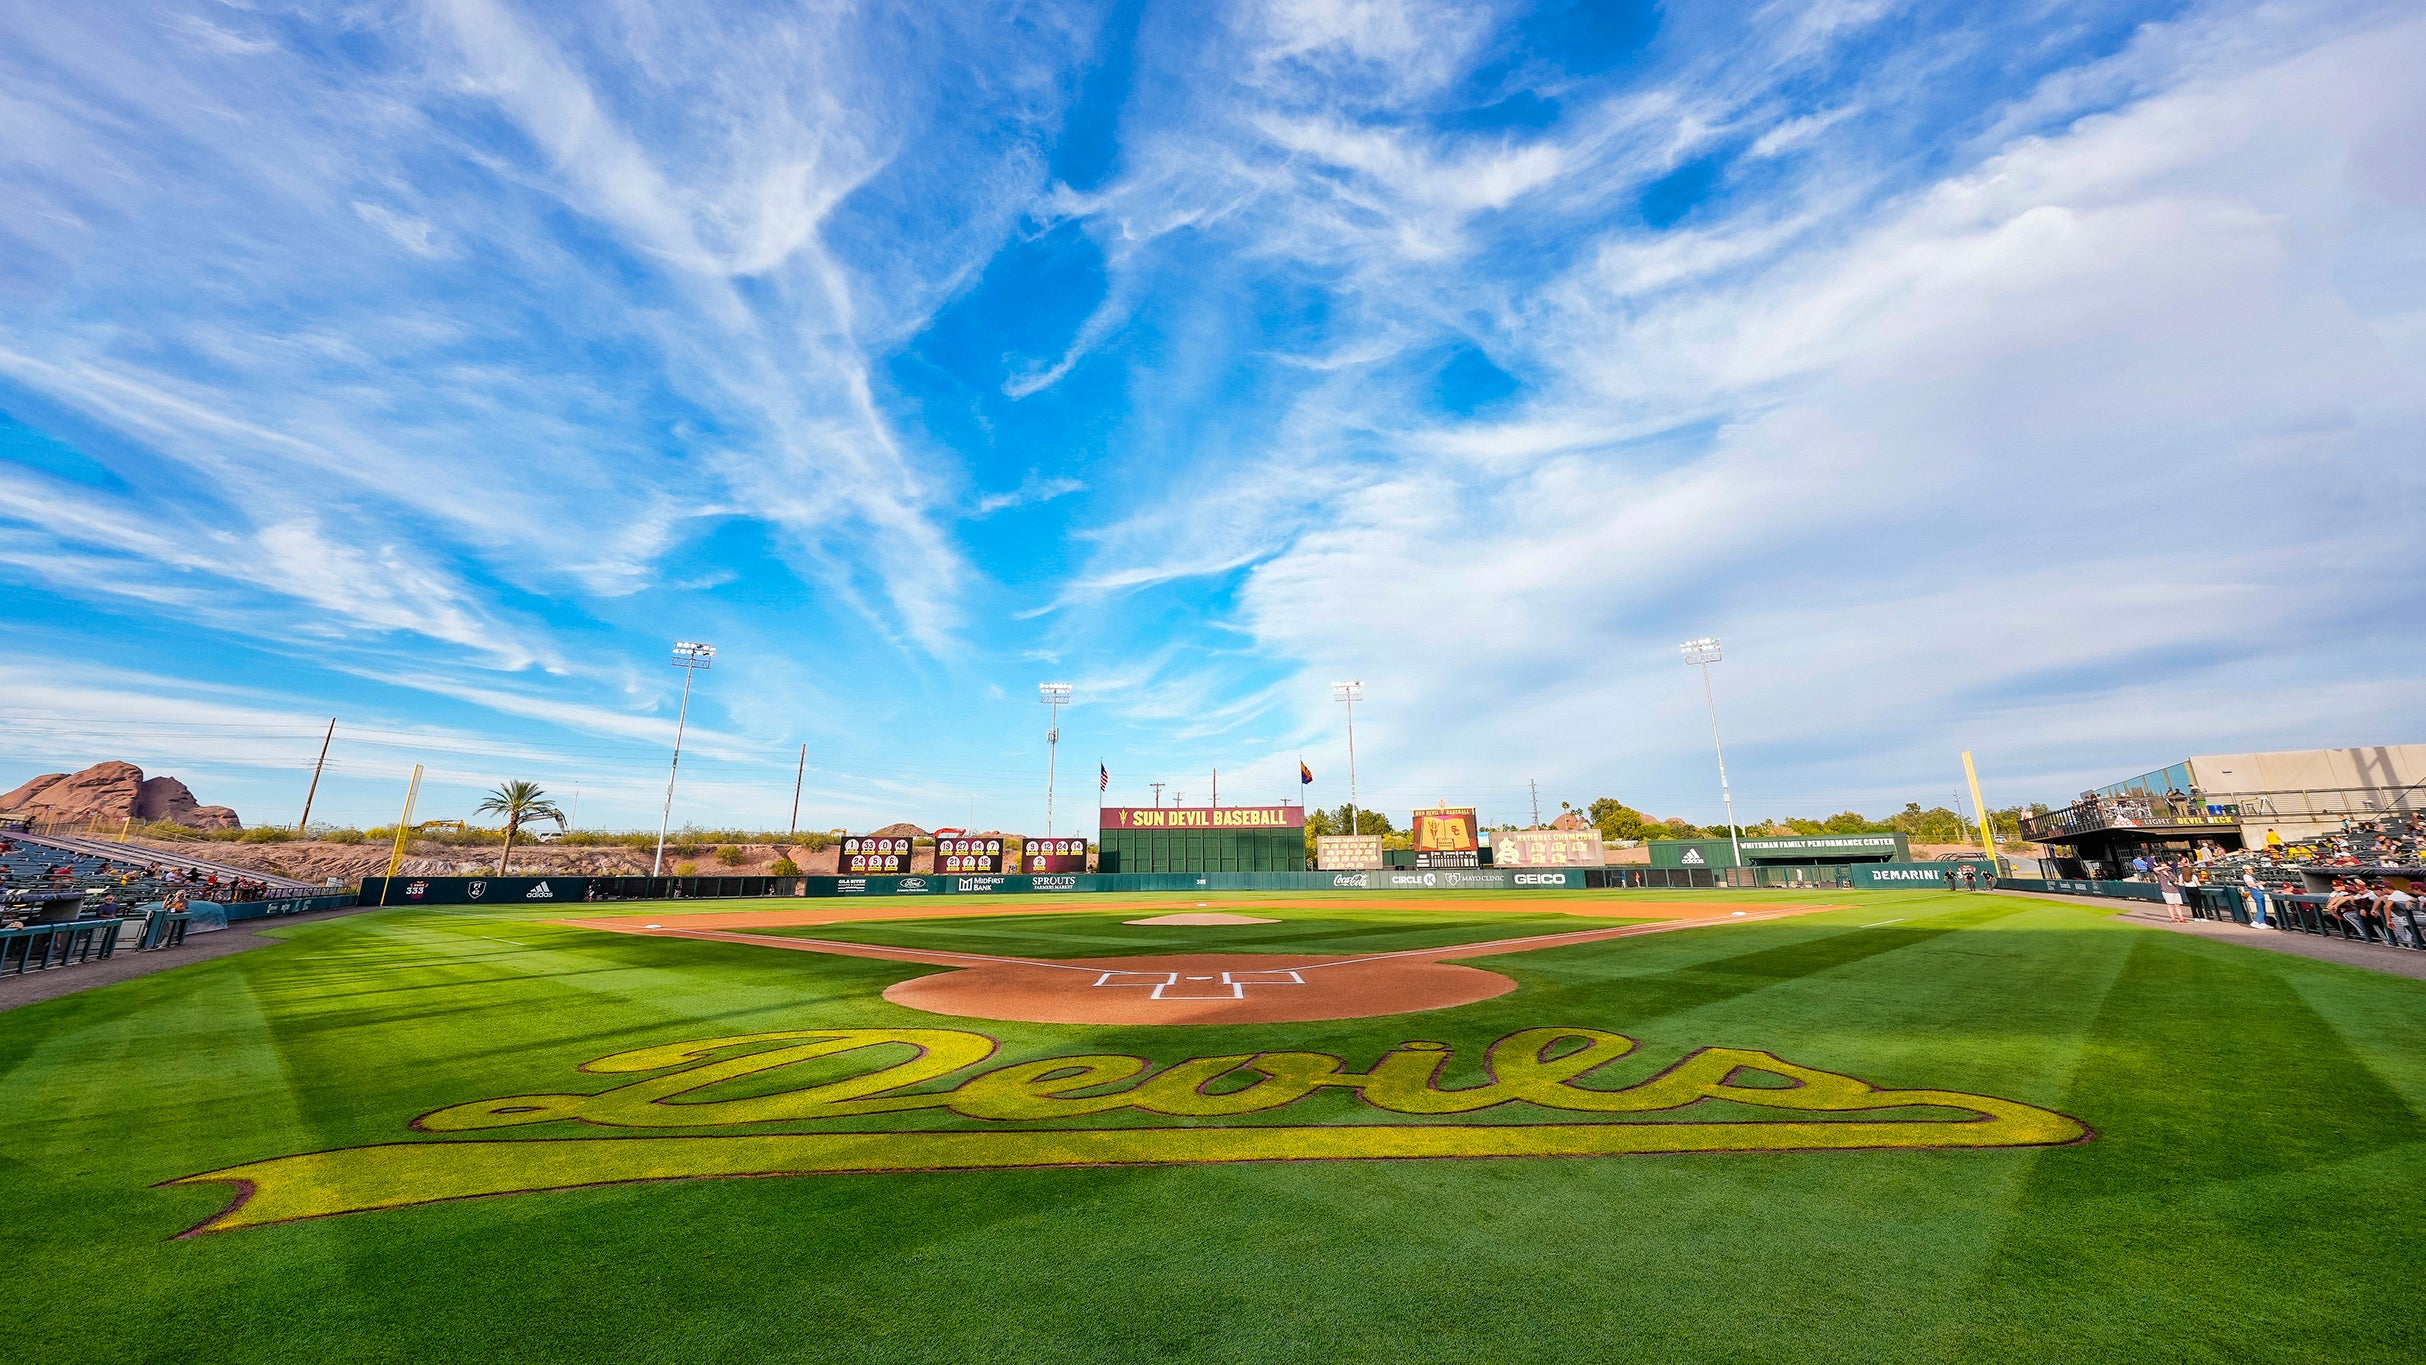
(964, 853)
(1054, 855)
(1445, 829)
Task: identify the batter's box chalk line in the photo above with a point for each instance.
(1207, 986)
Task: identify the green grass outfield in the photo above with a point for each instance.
(2256, 1190)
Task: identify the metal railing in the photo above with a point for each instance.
(2306, 914)
(2184, 812)
(41, 947)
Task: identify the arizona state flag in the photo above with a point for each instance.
(1305, 775)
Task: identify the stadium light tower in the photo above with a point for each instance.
(1057, 696)
(1350, 693)
(690, 656)
(1705, 652)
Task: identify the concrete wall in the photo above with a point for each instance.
(2383, 767)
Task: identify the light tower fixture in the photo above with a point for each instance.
(1057, 696)
(690, 656)
(1350, 693)
(1703, 653)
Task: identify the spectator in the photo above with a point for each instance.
(2400, 917)
(2171, 892)
(2254, 891)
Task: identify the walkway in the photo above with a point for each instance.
(2375, 956)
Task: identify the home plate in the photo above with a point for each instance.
(1215, 918)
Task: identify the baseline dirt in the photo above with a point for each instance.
(1193, 988)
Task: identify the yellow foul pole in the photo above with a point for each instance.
(1980, 808)
(404, 826)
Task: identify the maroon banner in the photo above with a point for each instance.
(1054, 855)
(1203, 817)
(870, 853)
(968, 853)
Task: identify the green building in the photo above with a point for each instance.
(1201, 839)
(1795, 850)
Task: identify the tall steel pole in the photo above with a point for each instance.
(1350, 693)
(1054, 695)
(303, 827)
(689, 656)
(1705, 652)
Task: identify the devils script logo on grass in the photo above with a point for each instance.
(1538, 1088)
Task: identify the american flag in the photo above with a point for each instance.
(1103, 777)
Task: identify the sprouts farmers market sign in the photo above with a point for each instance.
(1204, 817)
(1546, 1094)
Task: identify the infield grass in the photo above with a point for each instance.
(2256, 1190)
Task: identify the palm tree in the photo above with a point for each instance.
(518, 802)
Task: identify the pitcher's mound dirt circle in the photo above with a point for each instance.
(1197, 988)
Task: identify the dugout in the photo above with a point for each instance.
(1800, 850)
(1201, 839)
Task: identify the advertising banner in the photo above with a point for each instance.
(1208, 818)
(1054, 855)
(869, 853)
(1445, 829)
(1347, 852)
(968, 853)
(1548, 848)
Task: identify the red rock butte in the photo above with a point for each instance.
(115, 791)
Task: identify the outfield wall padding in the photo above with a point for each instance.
(1380, 879)
(547, 890)
(1906, 876)
(2068, 886)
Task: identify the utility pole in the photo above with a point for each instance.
(797, 773)
(303, 827)
(1157, 786)
(1536, 788)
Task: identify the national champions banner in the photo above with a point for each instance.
(1548, 848)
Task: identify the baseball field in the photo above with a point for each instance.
(1705, 1126)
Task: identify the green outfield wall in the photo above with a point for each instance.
(1386, 879)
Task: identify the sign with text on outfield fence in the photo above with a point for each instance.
(968, 853)
(1203, 817)
(1053, 855)
(1347, 852)
(1548, 848)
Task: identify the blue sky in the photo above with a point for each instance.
(2043, 380)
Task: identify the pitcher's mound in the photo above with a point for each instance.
(1215, 917)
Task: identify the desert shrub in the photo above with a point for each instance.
(729, 855)
(784, 867)
(265, 834)
(345, 836)
(686, 869)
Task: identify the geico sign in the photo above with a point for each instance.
(1541, 879)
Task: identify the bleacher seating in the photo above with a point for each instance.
(129, 874)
